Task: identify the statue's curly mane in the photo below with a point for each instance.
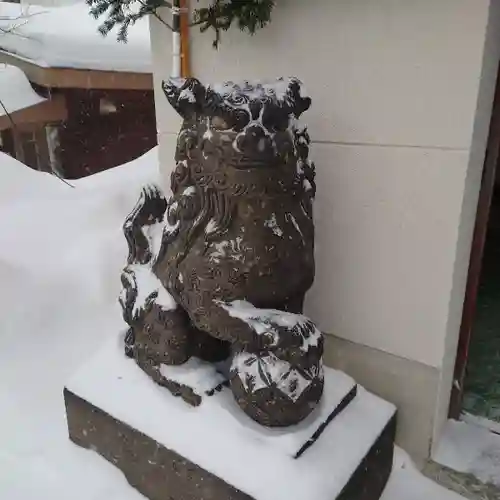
(198, 207)
(206, 186)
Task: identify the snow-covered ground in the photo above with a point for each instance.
(67, 37)
(469, 447)
(61, 252)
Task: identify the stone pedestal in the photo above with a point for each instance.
(169, 450)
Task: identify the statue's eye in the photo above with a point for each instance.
(219, 123)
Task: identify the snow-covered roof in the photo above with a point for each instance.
(15, 90)
(67, 37)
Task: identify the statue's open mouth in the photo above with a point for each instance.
(254, 162)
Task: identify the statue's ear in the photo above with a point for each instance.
(186, 95)
(297, 101)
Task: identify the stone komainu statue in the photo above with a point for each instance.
(219, 270)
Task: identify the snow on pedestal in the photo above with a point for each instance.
(202, 377)
(256, 462)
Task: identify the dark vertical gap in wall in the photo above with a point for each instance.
(476, 260)
(482, 377)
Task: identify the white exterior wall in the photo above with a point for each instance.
(395, 87)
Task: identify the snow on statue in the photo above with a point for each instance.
(219, 271)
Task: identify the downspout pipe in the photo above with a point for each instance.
(176, 39)
(184, 28)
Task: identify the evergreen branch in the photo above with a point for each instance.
(220, 15)
(155, 14)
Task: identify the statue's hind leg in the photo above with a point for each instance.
(156, 323)
(164, 336)
(165, 339)
(159, 330)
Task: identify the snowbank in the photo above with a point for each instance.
(17, 92)
(20, 183)
(67, 37)
(61, 252)
(67, 240)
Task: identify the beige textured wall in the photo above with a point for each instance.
(395, 86)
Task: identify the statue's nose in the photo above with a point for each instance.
(255, 132)
(255, 140)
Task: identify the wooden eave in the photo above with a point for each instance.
(79, 78)
(51, 110)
